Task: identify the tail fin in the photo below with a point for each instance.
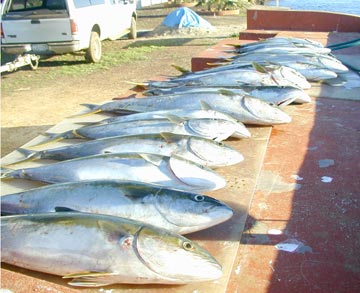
(54, 137)
(93, 110)
(181, 69)
(6, 173)
(29, 156)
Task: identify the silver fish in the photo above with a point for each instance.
(216, 129)
(319, 60)
(244, 76)
(279, 96)
(194, 148)
(178, 211)
(98, 250)
(311, 72)
(172, 172)
(182, 114)
(285, 40)
(246, 109)
(285, 47)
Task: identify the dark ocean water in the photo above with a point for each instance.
(342, 6)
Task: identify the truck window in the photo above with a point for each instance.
(19, 5)
(23, 5)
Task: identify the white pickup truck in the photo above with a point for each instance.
(52, 27)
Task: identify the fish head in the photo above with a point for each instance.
(218, 129)
(175, 257)
(195, 176)
(210, 152)
(267, 114)
(190, 212)
(293, 76)
(332, 64)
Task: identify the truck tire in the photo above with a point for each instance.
(133, 31)
(93, 54)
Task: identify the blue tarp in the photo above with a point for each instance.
(185, 17)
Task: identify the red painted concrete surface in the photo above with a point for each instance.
(321, 144)
(294, 20)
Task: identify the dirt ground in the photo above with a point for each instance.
(29, 111)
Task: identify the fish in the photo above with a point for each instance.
(284, 40)
(172, 172)
(256, 75)
(282, 47)
(278, 96)
(161, 114)
(94, 250)
(175, 210)
(194, 148)
(319, 60)
(244, 108)
(216, 129)
(312, 72)
(205, 113)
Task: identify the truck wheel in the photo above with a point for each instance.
(93, 54)
(133, 32)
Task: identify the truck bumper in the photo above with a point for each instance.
(42, 48)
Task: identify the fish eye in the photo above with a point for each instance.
(199, 197)
(187, 245)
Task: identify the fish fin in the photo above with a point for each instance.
(153, 159)
(226, 92)
(168, 136)
(174, 118)
(55, 137)
(6, 173)
(234, 45)
(259, 68)
(29, 156)
(181, 69)
(87, 123)
(94, 109)
(205, 105)
(64, 209)
(89, 279)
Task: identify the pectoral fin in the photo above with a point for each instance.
(155, 160)
(64, 209)
(90, 279)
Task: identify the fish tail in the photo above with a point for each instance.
(181, 69)
(55, 137)
(6, 173)
(93, 109)
(29, 156)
